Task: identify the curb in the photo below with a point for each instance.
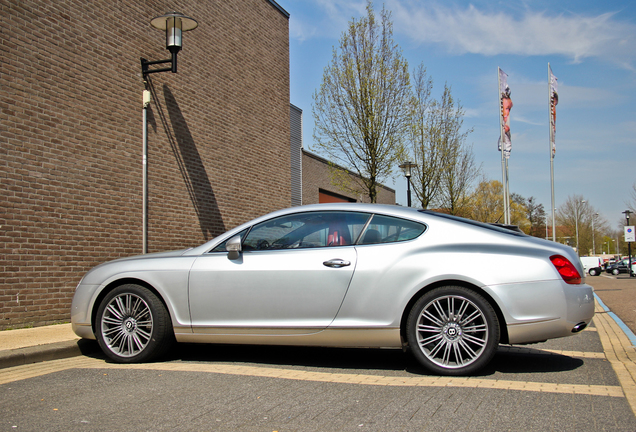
(40, 353)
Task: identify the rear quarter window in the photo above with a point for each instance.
(388, 229)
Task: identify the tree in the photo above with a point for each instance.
(570, 218)
(578, 214)
(631, 204)
(360, 109)
(535, 214)
(487, 201)
(594, 229)
(446, 165)
(457, 180)
(426, 176)
(519, 212)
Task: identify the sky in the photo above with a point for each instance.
(590, 46)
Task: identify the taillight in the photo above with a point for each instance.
(566, 269)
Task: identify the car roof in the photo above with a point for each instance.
(422, 216)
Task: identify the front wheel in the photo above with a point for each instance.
(615, 272)
(133, 325)
(452, 330)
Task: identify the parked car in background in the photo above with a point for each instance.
(346, 275)
(592, 265)
(619, 267)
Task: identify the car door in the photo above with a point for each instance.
(290, 278)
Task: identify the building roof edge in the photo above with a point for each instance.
(280, 8)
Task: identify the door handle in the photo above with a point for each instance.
(336, 263)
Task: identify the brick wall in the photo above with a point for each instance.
(71, 137)
(316, 177)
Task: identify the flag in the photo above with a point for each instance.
(554, 100)
(505, 104)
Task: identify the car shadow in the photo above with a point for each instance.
(507, 361)
(522, 360)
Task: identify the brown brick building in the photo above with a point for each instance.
(318, 188)
(71, 136)
(311, 177)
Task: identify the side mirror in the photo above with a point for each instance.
(233, 247)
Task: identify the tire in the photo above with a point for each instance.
(133, 325)
(615, 272)
(452, 330)
(593, 272)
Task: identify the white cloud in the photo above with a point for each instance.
(471, 30)
(324, 18)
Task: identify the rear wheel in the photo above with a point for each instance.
(452, 330)
(593, 272)
(615, 271)
(133, 325)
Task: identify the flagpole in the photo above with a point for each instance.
(550, 147)
(501, 149)
(508, 193)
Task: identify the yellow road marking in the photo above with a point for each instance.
(38, 369)
(620, 353)
(617, 349)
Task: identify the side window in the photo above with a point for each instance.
(306, 230)
(387, 229)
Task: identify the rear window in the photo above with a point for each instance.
(505, 229)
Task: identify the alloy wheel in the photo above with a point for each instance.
(126, 325)
(452, 331)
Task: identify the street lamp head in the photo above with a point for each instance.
(407, 167)
(174, 23)
(627, 213)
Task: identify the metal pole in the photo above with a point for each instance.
(593, 241)
(617, 248)
(576, 221)
(551, 155)
(502, 144)
(629, 247)
(508, 218)
(408, 191)
(144, 184)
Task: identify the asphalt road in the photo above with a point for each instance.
(560, 385)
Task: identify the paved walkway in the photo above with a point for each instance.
(31, 337)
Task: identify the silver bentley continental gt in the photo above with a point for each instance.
(345, 275)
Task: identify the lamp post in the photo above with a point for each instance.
(576, 222)
(629, 245)
(593, 241)
(174, 24)
(406, 169)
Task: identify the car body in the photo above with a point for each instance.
(619, 267)
(592, 265)
(346, 275)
